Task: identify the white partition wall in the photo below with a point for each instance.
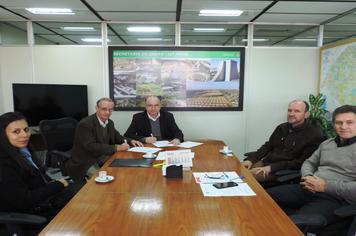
(274, 76)
(15, 66)
(71, 65)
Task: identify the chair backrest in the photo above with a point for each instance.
(13, 223)
(58, 134)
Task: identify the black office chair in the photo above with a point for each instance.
(283, 176)
(58, 135)
(20, 224)
(317, 223)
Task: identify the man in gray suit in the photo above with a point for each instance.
(95, 139)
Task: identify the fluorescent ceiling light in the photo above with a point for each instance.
(55, 11)
(149, 39)
(306, 40)
(93, 40)
(220, 12)
(209, 29)
(256, 40)
(153, 39)
(144, 29)
(74, 28)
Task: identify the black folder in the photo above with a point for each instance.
(132, 162)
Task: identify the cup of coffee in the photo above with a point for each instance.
(149, 154)
(226, 149)
(102, 174)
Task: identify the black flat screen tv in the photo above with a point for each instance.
(50, 101)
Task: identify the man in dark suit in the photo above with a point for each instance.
(154, 124)
(95, 139)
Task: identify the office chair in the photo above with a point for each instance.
(308, 223)
(16, 222)
(58, 135)
(283, 176)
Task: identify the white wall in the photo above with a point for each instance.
(15, 66)
(274, 76)
(71, 65)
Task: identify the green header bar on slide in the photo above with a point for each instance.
(175, 54)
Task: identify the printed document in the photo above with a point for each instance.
(144, 149)
(163, 143)
(241, 190)
(217, 177)
(177, 157)
(189, 144)
(207, 179)
(185, 152)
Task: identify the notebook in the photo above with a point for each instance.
(132, 162)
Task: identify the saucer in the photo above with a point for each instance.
(149, 157)
(222, 151)
(108, 179)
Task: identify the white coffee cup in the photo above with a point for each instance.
(149, 154)
(102, 174)
(226, 149)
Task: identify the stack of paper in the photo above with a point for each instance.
(163, 143)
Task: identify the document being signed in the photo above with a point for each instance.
(144, 149)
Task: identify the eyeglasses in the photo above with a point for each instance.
(223, 175)
(106, 109)
(215, 176)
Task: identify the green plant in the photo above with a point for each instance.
(318, 115)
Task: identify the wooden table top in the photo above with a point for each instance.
(140, 201)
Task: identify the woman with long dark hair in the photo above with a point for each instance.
(24, 185)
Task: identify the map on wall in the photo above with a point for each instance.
(338, 74)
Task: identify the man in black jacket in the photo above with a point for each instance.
(288, 146)
(154, 124)
(95, 139)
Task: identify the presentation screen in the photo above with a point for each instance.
(185, 78)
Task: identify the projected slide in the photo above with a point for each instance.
(184, 78)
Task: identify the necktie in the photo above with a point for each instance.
(26, 153)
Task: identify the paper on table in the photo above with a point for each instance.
(163, 143)
(162, 155)
(241, 190)
(185, 160)
(144, 149)
(216, 177)
(189, 144)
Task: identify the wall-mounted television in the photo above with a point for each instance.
(50, 101)
(185, 78)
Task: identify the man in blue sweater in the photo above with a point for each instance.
(328, 176)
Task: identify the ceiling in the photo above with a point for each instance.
(275, 23)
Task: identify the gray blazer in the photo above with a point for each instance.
(89, 146)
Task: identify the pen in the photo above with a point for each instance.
(125, 141)
(158, 164)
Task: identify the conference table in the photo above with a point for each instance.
(140, 201)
